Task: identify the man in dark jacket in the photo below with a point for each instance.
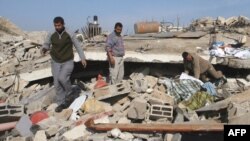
(60, 43)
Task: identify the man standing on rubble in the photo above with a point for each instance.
(60, 43)
(201, 68)
(115, 52)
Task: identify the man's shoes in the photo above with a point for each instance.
(61, 107)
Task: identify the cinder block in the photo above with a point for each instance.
(112, 91)
(11, 112)
(161, 111)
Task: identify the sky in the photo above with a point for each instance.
(37, 15)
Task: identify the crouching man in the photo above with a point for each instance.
(201, 68)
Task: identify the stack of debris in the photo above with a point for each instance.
(239, 24)
(142, 103)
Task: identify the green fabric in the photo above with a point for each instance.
(62, 47)
(198, 100)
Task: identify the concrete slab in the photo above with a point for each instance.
(244, 119)
(239, 63)
(6, 82)
(36, 75)
(76, 132)
(165, 35)
(189, 34)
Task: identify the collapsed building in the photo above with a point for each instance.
(155, 101)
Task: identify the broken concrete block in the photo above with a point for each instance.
(126, 136)
(153, 100)
(242, 108)
(244, 119)
(168, 137)
(48, 122)
(155, 139)
(149, 90)
(40, 136)
(112, 91)
(94, 106)
(76, 132)
(52, 130)
(97, 137)
(231, 20)
(124, 120)
(3, 96)
(29, 90)
(220, 20)
(6, 82)
(51, 109)
(172, 137)
(125, 106)
(101, 92)
(104, 119)
(116, 117)
(140, 86)
(115, 132)
(168, 100)
(34, 106)
(13, 99)
(36, 75)
(117, 107)
(65, 114)
(152, 81)
(243, 83)
(19, 85)
(248, 78)
(23, 126)
(179, 118)
(138, 109)
(123, 100)
(136, 76)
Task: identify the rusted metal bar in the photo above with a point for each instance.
(135, 127)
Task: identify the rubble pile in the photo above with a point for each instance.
(8, 27)
(234, 24)
(141, 107)
(140, 100)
